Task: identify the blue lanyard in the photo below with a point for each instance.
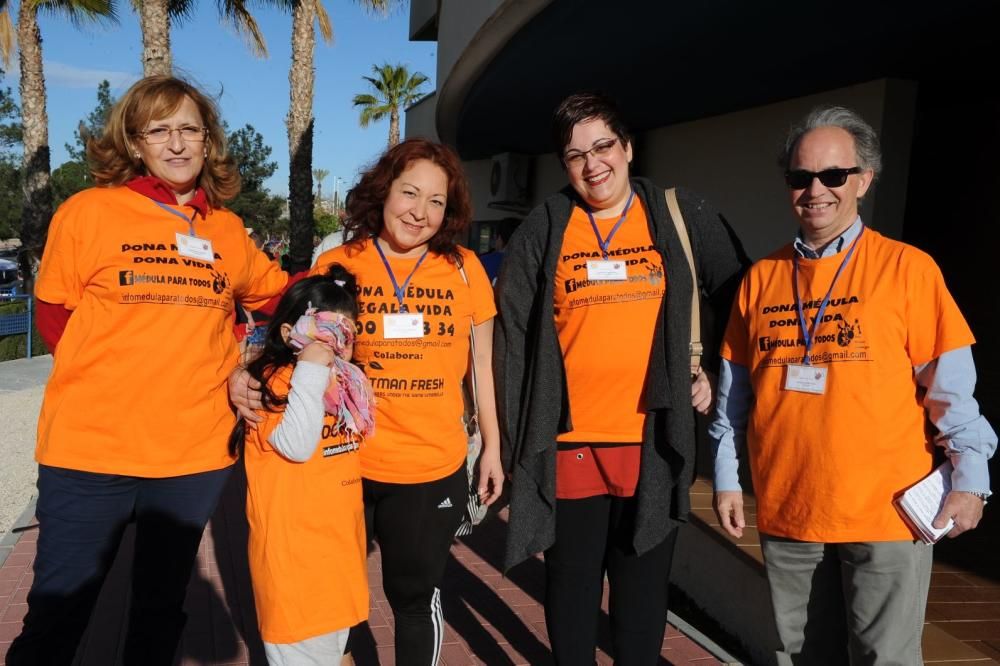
(396, 287)
(178, 214)
(808, 336)
(605, 243)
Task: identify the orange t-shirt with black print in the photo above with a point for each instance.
(139, 381)
(419, 435)
(605, 330)
(307, 532)
(827, 467)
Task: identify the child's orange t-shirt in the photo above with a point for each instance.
(827, 467)
(419, 435)
(307, 532)
(605, 330)
(139, 381)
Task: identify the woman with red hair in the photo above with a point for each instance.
(421, 298)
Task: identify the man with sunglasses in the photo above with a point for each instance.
(839, 349)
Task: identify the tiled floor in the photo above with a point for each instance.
(491, 619)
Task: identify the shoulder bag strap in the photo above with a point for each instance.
(696, 349)
(472, 357)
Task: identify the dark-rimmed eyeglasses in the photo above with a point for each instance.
(800, 179)
(576, 158)
(189, 133)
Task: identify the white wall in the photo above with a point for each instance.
(732, 160)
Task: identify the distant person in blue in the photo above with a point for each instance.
(491, 260)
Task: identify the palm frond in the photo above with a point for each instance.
(8, 36)
(236, 14)
(179, 10)
(381, 8)
(79, 12)
(372, 114)
(324, 22)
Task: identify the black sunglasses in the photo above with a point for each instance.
(801, 179)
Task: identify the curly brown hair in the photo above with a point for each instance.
(367, 199)
(111, 156)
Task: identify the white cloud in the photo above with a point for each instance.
(68, 76)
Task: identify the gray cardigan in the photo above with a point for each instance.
(531, 382)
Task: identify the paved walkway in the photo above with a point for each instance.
(21, 385)
(491, 619)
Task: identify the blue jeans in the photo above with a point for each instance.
(81, 517)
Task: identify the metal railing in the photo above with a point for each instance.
(18, 322)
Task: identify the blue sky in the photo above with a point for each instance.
(252, 90)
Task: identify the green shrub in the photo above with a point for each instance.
(16, 346)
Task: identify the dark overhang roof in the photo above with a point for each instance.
(668, 62)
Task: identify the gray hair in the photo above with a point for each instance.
(866, 144)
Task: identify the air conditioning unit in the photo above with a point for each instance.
(509, 178)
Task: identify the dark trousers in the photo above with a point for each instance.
(593, 536)
(81, 517)
(415, 525)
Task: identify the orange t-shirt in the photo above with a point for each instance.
(307, 532)
(139, 381)
(826, 467)
(605, 330)
(419, 434)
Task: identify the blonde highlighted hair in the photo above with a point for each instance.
(112, 156)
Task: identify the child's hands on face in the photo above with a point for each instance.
(317, 352)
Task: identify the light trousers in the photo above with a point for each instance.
(848, 603)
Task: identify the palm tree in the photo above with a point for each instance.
(394, 88)
(305, 14)
(320, 175)
(155, 17)
(37, 189)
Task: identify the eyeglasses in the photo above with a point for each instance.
(576, 158)
(800, 179)
(189, 133)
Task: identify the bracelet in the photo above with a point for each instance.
(982, 496)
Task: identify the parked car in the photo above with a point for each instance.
(10, 282)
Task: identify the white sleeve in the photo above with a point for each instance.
(302, 422)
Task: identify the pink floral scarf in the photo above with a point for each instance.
(349, 396)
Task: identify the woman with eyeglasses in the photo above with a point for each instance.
(595, 386)
(136, 294)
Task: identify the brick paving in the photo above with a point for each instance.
(491, 619)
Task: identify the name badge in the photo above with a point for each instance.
(403, 325)
(805, 379)
(606, 270)
(194, 248)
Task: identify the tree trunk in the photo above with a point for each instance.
(154, 20)
(36, 185)
(393, 127)
(300, 135)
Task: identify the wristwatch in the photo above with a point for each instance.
(982, 496)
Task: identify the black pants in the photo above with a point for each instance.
(415, 525)
(81, 517)
(593, 536)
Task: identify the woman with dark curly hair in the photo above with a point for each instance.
(136, 293)
(420, 297)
